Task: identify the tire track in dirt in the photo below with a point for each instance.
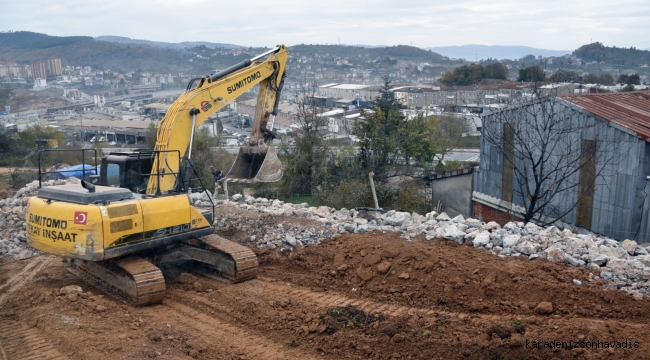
(271, 289)
(239, 341)
(16, 340)
(17, 281)
(20, 342)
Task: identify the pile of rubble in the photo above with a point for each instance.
(624, 263)
(13, 236)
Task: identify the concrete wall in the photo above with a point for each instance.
(454, 194)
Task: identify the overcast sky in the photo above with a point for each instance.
(548, 24)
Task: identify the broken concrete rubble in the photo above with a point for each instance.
(626, 264)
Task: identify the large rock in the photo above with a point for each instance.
(458, 219)
(70, 289)
(481, 239)
(512, 226)
(472, 223)
(527, 247)
(492, 225)
(629, 246)
(645, 259)
(598, 259)
(322, 211)
(397, 219)
(613, 253)
(451, 232)
(510, 240)
(443, 217)
(532, 229)
(431, 216)
(556, 255)
(544, 307)
(573, 244)
(574, 262)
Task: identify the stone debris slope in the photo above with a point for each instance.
(625, 264)
(274, 224)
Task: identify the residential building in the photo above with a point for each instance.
(55, 66)
(607, 194)
(39, 70)
(10, 70)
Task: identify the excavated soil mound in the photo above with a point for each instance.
(384, 267)
(356, 296)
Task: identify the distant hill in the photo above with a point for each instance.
(100, 55)
(160, 44)
(470, 52)
(613, 55)
(398, 52)
(28, 39)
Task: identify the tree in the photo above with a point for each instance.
(305, 165)
(379, 142)
(386, 101)
(547, 169)
(448, 134)
(531, 74)
(562, 75)
(631, 79)
(496, 70)
(464, 75)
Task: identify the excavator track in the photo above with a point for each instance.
(241, 265)
(132, 278)
(215, 257)
(137, 281)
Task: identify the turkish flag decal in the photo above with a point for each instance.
(80, 217)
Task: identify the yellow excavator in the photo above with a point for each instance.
(117, 227)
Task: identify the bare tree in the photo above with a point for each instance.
(552, 155)
(449, 133)
(305, 165)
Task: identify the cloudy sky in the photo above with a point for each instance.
(549, 24)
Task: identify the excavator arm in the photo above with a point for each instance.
(257, 161)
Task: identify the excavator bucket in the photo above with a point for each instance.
(255, 164)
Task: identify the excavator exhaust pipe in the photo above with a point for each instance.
(255, 164)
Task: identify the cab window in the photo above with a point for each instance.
(113, 175)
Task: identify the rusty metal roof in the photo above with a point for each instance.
(628, 109)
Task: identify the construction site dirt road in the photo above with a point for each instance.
(355, 296)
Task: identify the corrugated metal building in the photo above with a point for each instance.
(620, 205)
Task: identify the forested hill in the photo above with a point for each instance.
(99, 54)
(161, 44)
(613, 55)
(31, 40)
(399, 52)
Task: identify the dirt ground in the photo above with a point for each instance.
(24, 99)
(356, 296)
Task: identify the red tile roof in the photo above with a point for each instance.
(629, 109)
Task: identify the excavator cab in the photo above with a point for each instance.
(129, 170)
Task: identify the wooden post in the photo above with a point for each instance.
(225, 188)
(372, 187)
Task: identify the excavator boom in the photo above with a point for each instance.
(192, 108)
